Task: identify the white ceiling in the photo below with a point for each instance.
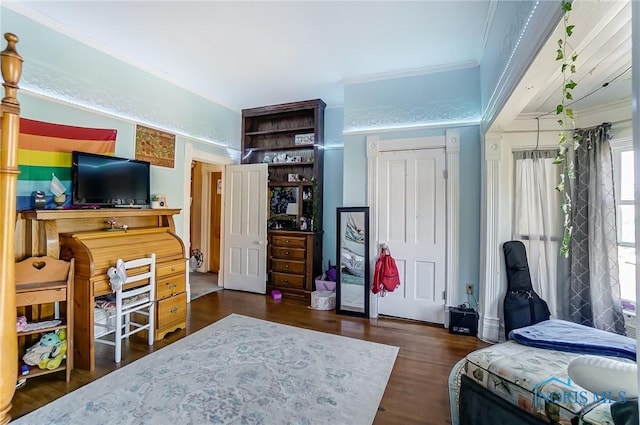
(244, 54)
(602, 40)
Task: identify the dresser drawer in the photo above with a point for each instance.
(287, 253)
(169, 286)
(289, 241)
(171, 310)
(101, 286)
(171, 267)
(288, 280)
(287, 266)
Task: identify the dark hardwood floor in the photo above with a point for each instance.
(417, 392)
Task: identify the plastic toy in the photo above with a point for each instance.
(49, 351)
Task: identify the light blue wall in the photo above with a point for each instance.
(470, 205)
(164, 180)
(332, 193)
(420, 106)
(443, 98)
(354, 183)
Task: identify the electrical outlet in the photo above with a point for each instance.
(469, 289)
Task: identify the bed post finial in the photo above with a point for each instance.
(11, 64)
(11, 71)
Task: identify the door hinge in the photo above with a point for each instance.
(444, 295)
(446, 174)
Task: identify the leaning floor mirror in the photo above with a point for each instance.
(352, 290)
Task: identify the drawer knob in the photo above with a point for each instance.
(286, 266)
(287, 241)
(286, 281)
(173, 269)
(174, 310)
(286, 253)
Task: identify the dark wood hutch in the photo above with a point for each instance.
(290, 139)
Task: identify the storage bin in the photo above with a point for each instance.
(325, 285)
(323, 300)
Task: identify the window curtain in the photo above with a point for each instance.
(594, 286)
(537, 222)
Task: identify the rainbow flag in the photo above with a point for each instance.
(44, 149)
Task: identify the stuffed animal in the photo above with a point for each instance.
(117, 275)
(49, 351)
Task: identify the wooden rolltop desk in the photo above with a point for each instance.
(83, 235)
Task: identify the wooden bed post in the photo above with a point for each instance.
(11, 64)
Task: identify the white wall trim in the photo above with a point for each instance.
(490, 284)
(635, 112)
(451, 143)
(453, 214)
(192, 154)
(372, 201)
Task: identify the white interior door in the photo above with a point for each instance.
(245, 228)
(412, 222)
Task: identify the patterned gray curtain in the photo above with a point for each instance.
(594, 281)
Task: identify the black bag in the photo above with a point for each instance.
(522, 306)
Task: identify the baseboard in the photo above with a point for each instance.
(489, 329)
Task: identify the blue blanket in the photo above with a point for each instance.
(561, 335)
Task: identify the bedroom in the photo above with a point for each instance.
(470, 226)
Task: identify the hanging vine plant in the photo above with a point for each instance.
(568, 58)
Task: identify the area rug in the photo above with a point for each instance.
(239, 370)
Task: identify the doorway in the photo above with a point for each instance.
(444, 189)
(204, 230)
(197, 216)
(412, 222)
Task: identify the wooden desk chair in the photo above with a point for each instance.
(43, 282)
(135, 295)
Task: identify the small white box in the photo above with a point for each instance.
(323, 300)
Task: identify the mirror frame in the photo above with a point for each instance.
(341, 221)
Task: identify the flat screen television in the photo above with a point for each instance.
(109, 181)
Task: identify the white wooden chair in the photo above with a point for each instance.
(136, 295)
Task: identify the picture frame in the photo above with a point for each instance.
(352, 256)
(293, 178)
(155, 146)
(304, 139)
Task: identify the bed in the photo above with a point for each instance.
(520, 382)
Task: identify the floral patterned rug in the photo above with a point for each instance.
(238, 370)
